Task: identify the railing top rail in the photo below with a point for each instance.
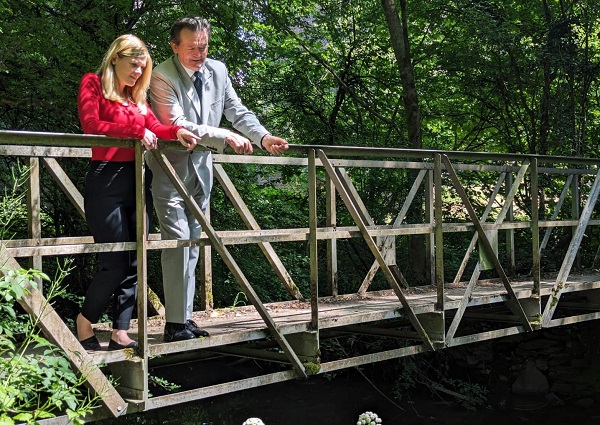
(10, 137)
(352, 151)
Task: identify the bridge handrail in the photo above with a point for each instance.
(11, 137)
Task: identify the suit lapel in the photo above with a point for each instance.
(188, 87)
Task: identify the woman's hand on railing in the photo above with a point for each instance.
(188, 139)
(149, 140)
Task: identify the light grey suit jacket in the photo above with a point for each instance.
(175, 101)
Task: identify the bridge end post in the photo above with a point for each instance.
(532, 307)
(434, 325)
(130, 377)
(306, 346)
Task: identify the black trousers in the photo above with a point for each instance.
(110, 213)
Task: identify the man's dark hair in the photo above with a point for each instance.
(190, 22)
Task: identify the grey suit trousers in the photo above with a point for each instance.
(178, 222)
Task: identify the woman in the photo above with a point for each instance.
(112, 102)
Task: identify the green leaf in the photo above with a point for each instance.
(6, 420)
(23, 417)
(42, 414)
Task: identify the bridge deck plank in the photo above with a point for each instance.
(243, 323)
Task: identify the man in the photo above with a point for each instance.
(194, 91)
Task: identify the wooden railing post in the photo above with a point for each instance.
(430, 218)
(34, 226)
(535, 227)
(439, 232)
(139, 373)
(331, 217)
(510, 233)
(312, 240)
(206, 274)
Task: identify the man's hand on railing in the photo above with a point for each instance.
(188, 139)
(239, 143)
(274, 145)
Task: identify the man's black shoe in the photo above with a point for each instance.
(177, 332)
(191, 326)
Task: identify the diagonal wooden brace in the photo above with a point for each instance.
(501, 216)
(565, 268)
(393, 281)
(561, 199)
(397, 222)
(229, 261)
(476, 272)
(251, 223)
(65, 183)
(485, 243)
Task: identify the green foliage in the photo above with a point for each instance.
(163, 383)
(36, 380)
(312, 368)
(13, 209)
(496, 76)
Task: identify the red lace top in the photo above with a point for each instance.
(99, 115)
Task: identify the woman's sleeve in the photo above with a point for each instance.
(88, 106)
(165, 132)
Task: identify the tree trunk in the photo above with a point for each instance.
(400, 44)
(419, 271)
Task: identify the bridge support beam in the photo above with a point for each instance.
(434, 325)
(532, 307)
(306, 346)
(130, 377)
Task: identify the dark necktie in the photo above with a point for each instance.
(198, 84)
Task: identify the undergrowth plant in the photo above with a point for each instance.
(36, 379)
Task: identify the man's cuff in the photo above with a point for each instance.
(261, 140)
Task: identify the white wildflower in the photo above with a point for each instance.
(253, 421)
(368, 418)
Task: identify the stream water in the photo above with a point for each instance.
(341, 399)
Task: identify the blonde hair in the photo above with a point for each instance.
(126, 45)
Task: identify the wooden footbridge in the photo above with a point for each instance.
(528, 198)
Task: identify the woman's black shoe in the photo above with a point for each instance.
(91, 344)
(114, 345)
